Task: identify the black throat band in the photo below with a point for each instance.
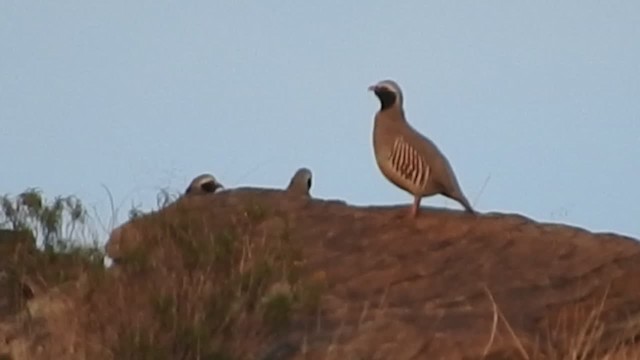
(387, 98)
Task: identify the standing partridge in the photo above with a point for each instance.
(405, 157)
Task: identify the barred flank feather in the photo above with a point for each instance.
(407, 162)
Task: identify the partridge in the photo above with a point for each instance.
(300, 182)
(203, 184)
(407, 158)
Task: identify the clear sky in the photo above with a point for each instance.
(542, 98)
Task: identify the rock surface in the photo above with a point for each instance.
(451, 285)
(447, 285)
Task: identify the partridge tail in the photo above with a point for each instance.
(464, 202)
(468, 207)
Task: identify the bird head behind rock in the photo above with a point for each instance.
(300, 182)
(203, 184)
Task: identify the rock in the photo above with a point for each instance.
(448, 285)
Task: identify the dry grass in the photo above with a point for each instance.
(199, 293)
(206, 288)
(579, 335)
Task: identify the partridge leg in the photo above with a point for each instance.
(415, 207)
(416, 198)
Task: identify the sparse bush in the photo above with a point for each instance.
(199, 288)
(54, 224)
(60, 228)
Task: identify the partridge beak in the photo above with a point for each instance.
(372, 88)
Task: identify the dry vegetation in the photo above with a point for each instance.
(192, 292)
(220, 298)
(234, 286)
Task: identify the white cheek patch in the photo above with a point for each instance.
(393, 88)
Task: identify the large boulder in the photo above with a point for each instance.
(448, 285)
(262, 274)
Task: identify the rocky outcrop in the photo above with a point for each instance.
(448, 285)
(451, 285)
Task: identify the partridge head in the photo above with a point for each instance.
(203, 184)
(300, 182)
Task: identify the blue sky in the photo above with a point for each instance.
(540, 98)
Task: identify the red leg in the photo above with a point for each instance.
(415, 207)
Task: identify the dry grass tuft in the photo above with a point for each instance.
(199, 293)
